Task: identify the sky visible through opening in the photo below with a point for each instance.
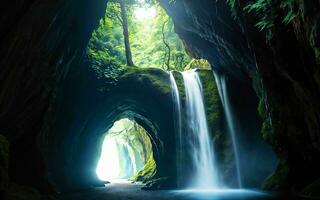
(145, 13)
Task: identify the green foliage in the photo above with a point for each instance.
(233, 4)
(288, 6)
(148, 47)
(147, 172)
(198, 64)
(106, 47)
(106, 44)
(132, 138)
(269, 11)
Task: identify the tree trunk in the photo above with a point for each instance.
(126, 33)
(168, 55)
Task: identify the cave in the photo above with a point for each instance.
(223, 97)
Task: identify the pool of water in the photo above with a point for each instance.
(124, 190)
(221, 194)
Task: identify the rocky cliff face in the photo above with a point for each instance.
(281, 61)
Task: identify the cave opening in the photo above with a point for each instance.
(126, 152)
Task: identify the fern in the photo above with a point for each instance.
(288, 7)
(270, 10)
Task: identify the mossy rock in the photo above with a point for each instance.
(312, 190)
(152, 77)
(212, 100)
(147, 173)
(279, 179)
(161, 183)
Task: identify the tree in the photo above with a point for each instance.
(151, 42)
(116, 12)
(167, 55)
(124, 22)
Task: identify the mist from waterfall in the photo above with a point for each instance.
(195, 146)
(223, 93)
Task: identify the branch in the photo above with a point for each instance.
(167, 62)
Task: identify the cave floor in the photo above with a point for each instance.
(124, 190)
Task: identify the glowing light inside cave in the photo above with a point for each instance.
(122, 153)
(109, 165)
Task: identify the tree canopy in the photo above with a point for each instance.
(153, 42)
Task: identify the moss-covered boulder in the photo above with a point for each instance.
(147, 173)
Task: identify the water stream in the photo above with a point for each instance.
(223, 93)
(178, 127)
(196, 140)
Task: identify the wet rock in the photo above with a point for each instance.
(162, 183)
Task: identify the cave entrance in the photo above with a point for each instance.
(126, 153)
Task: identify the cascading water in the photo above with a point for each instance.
(177, 124)
(223, 93)
(195, 145)
(201, 146)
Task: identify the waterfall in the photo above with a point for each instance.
(196, 163)
(177, 125)
(223, 93)
(200, 144)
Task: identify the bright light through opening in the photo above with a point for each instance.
(109, 166)
(126, 149)
(145, 13)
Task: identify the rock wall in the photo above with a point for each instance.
(40, 42)
(90, 107)
(281, 61)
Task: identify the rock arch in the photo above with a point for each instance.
(75, 138)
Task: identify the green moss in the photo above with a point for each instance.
(212, 100)
(279, 179)
(180, 84)
(313, 189)
(153, 77)
(147, 173)
(266, 130)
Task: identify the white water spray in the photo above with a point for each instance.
(223, 93)
(199, 142)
